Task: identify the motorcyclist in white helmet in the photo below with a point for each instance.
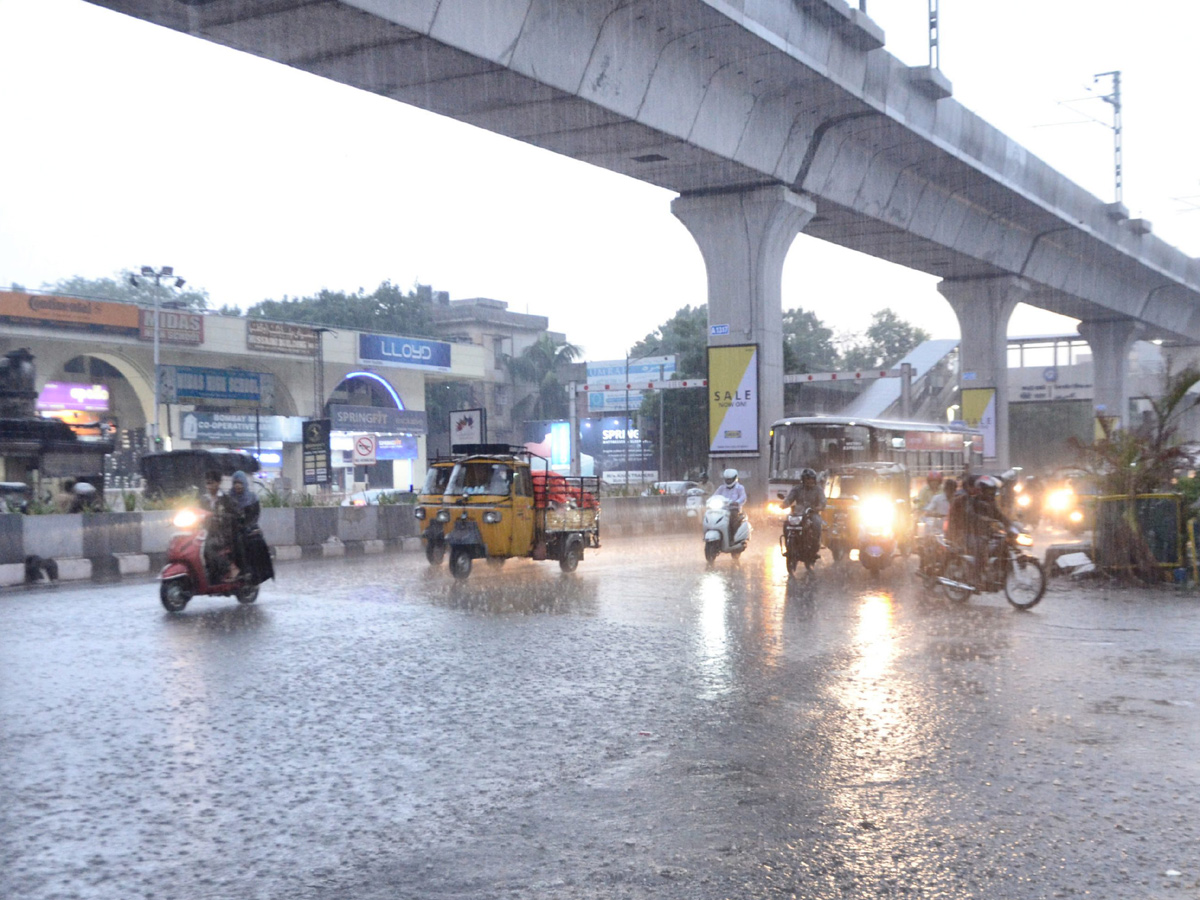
(731, 489)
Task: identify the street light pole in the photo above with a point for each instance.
(149, 272)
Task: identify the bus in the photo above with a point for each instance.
(828, 443)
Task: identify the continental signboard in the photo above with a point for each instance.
(102, 316)
(281, 337)
(175, 326)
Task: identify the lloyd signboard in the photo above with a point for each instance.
(414, 353)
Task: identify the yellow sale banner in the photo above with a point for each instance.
(733, 399)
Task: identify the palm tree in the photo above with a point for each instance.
(540, 365)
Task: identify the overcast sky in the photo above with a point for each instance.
(126, 144)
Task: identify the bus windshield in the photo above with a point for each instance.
(817, 447)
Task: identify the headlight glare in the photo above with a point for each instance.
(491, 517)
(443, 515)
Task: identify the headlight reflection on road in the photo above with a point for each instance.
(714, 635)
(877, 725)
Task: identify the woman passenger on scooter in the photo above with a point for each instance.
(251, 551)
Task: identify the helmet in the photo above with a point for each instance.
(934, 478)
(808, 475)
(730, 476)
(988, 486)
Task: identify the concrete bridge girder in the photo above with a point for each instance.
(694, 95)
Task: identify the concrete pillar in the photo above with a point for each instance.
(983, 307)
(1110, 340)
(744, 237)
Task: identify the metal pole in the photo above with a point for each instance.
(626, 429)
(157, 284)
(662, 401)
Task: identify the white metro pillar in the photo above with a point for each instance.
(983, 307)
(744, 238)
(1110, 340)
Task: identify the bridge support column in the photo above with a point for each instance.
(1110, 340)
(744, 238)
(983, 307)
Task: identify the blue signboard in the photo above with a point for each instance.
(387, 350)
(216, 387)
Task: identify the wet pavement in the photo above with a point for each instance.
(644, 727)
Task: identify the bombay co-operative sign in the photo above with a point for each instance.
(416, 353)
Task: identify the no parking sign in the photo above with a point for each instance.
(364, 449)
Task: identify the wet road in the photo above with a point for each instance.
(642, 728)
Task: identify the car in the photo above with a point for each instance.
(661, 488)
(375, 497)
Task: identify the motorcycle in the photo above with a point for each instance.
(185, 574)
(799, 542)
(717, 515)
(1008, 567)
(876, 544)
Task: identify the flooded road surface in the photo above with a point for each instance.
(644, 727)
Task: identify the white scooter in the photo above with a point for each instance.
(717, 515)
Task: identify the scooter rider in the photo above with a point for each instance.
(806, 495)
(732, 491)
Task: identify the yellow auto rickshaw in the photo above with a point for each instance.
(429, 501)
(502, 502)
(869, 504)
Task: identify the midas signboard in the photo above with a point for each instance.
(103, 316)
(733, 399)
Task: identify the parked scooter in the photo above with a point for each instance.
(800, 541)
(717, 515)
(185, 575)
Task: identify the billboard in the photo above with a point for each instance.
(733, 399)
(413, 353)
(616, 445)
(69, 312)
(59, 395)
(378, 419)
(979, 411)
(614, 372)
(281, 337)
(174, 326)
(216, 387)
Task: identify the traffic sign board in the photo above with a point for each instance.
(364, 449)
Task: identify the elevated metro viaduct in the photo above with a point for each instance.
(305, 379)
(766, 118)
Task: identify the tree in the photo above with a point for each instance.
(684, 416)
(141, 290)
(888, 339)
(807, 347)
(1141, 460)
(387, 309)
(807, 344)
(541, 366)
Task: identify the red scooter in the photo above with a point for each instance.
(185, 575)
